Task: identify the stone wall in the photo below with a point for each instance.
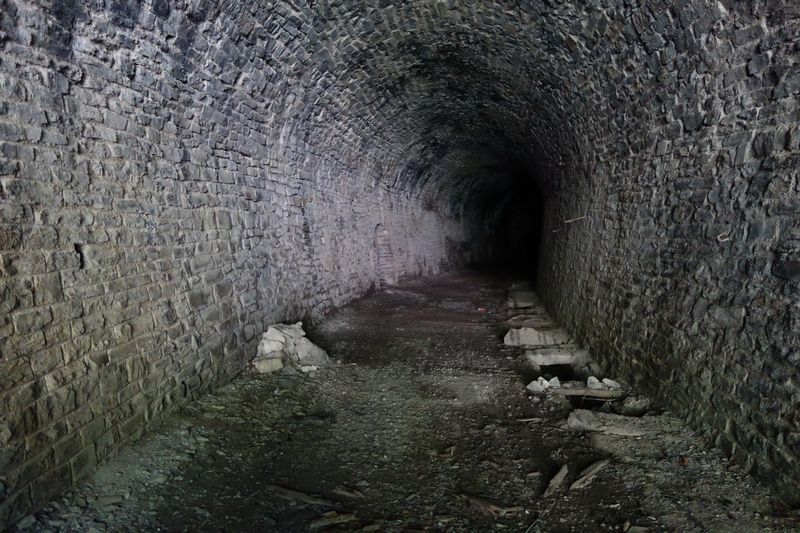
(176, 174)
(168, 188)
(683, 276)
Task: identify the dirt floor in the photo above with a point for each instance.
(424, 424)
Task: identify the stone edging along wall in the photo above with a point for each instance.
(164, 195)
(683, 276)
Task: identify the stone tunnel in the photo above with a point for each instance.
(175, 175)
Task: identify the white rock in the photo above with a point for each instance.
(287, 343)
(308, 353)
(551, 356)
(267, 366)
(554, 383)
(535, 337)
(594, 383)
(268, 346)
(538, 386)
(611, 384)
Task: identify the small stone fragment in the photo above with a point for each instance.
(554, 383)
(594, 383)
(611, 384)
(538, 386)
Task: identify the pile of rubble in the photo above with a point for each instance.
(287, 345)
(546, 347)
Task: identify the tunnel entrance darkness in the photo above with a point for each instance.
(519, 228)
(505, 214)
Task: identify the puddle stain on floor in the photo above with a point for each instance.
(424, 425)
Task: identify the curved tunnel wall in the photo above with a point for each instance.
(176, 175)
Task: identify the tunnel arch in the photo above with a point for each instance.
(223, 166)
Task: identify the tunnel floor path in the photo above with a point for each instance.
(423, 425)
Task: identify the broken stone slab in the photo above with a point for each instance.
(600, 394)
(556, 356)
(267, 365)
(557, 481)
(284, 344)
(586, 477)
(624, 426)
(536, 337)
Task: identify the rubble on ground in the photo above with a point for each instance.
(287, 345)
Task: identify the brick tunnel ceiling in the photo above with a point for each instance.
(176, 175)
(459, 100)
(446, 102)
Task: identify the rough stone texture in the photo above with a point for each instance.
(682, 275)
(173, 178)
(176, 175)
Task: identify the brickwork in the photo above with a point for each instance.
(176, 175)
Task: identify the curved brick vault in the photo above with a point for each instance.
(176, 174)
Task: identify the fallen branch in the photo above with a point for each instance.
(294, 495)
(489, 508)
(331, 519)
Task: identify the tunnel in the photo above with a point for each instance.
(176, 175)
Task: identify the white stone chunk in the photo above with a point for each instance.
(269, 346)
(594, 383)
(267, 366)
(535, 337)
(287, 343)
(553, 356)
(538, 386)
(611, 384)
(308, 353)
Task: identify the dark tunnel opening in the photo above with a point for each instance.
(518, 233)
(506, 215)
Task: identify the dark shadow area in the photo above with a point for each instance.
(507, 222)
(519, 229)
